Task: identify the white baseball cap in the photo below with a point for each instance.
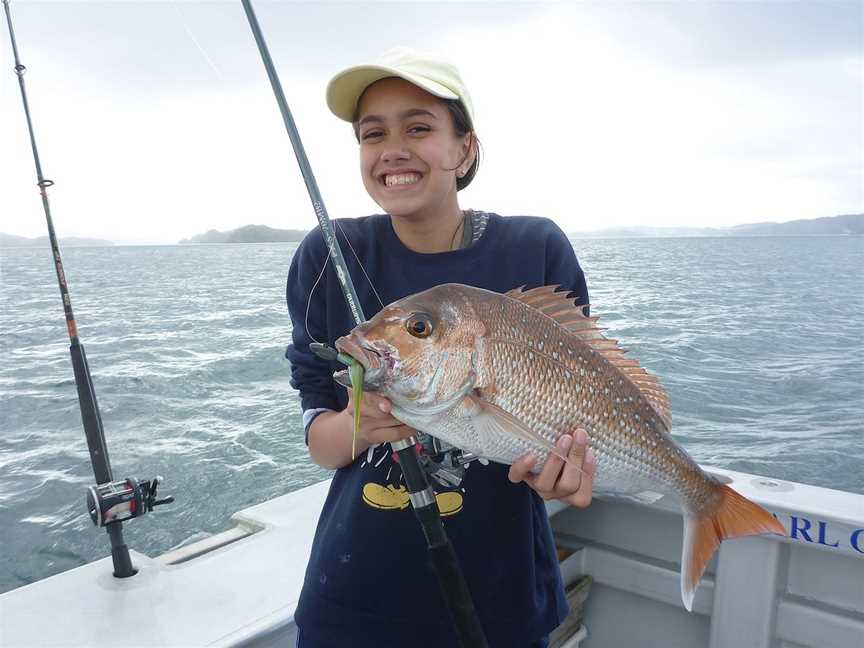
(435, 76)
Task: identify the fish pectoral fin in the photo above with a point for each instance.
(490, 420)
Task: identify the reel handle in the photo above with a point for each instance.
(123, 500)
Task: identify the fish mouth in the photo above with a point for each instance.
(374, 361)
(363, 352)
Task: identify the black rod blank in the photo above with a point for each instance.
(445, 564)
(90, 417)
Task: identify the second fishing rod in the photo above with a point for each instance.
(109, 502)
(443, 557)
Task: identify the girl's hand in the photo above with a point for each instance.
(377, 425)
(570, 481)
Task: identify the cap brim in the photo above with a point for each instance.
(344, 89)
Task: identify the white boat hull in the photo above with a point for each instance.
(240, 588)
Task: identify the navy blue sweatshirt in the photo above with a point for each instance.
(368, 581)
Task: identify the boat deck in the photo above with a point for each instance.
(234, 589)
(240, 587)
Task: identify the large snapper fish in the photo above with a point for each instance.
(502, 376)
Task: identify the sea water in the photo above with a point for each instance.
(757, 340)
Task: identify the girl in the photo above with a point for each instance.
(368, 582)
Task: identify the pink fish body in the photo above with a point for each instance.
(502, 376)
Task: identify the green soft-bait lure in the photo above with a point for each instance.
(355, 371)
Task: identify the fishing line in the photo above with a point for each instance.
(197, 44)
(360, 263)
(309, 300)
(321, 274)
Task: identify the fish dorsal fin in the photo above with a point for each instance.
(563, 309)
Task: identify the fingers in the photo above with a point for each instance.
(377, 424)
(401, 432)
(571, 474)
(379, 429)
(389, 434)
(375, 406)
(548, 477)
(521, 470)
(582, 497)
(571, 480)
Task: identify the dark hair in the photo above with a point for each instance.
(462, 126)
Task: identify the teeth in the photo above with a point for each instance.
(401, 179)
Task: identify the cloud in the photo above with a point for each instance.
(594, 115)
(582, 127)
(176, 168)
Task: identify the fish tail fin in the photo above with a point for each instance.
(734, 516)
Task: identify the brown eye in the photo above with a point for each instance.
(419, 325)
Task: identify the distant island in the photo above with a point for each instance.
(248, 234)
(9, 240)
(847, 225)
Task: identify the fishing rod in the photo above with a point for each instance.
(445, 564)
(110, 502)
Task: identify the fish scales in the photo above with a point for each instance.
(506, 375)
(571, 385)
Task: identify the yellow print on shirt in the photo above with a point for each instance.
(390, 498)
(393, 497)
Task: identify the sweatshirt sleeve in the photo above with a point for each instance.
(310, 375)
(562, 266)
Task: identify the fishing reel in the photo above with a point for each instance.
(443, 462)
(123, 500)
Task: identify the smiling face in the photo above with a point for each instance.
(409, 150)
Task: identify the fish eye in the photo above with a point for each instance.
(419, 325)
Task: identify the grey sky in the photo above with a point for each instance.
(156, 121)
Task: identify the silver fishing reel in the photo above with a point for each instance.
(443, 462)
(123, 500)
